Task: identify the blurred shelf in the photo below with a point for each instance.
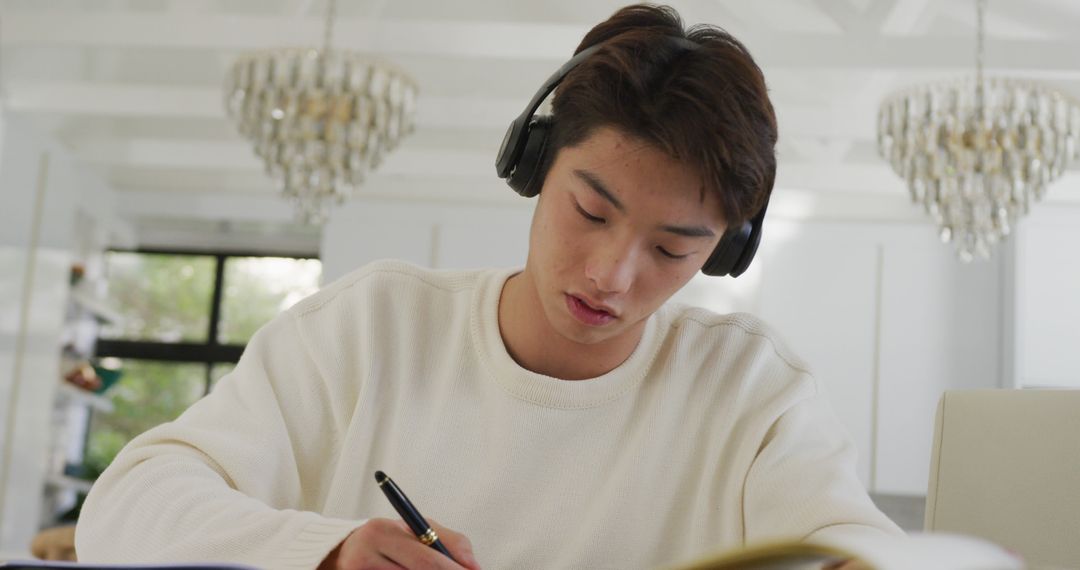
(98, 402)
(65, 482)
(95, 306)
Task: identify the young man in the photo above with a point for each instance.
(562, 416)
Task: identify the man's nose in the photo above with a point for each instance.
(612, 269)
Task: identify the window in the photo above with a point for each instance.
(186, 319)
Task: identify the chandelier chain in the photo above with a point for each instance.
(980, 47)
(331, 9)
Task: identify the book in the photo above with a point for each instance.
(936, 551)
(940, 551)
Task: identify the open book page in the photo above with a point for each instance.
(877, 552)
(773, 556)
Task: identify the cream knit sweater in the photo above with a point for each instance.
(710, 435)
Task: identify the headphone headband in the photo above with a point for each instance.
(513, 142)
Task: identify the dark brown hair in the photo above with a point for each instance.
(707, 106)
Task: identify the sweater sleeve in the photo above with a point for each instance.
(803, 483)
(235, 479)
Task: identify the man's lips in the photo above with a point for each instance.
(586, 313)
(599, 307)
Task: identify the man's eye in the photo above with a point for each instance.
(588, 216)
(670, 255)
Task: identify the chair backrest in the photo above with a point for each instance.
(1006, 467)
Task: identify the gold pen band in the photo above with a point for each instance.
(429, 537)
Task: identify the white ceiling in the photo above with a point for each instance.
(133, 87)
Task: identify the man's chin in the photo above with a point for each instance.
(580, 333)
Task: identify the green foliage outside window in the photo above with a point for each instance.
(167, 298)
(257, 288)
(161, 297)
(150, 393)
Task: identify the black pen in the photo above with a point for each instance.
(405, 508)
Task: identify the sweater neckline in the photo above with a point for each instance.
(541, 389)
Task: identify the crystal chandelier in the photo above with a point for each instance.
(319, 119)
(976, 153)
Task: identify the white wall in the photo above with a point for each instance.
(883, 312)
(888, 319)
(445, 236)
(45, 203)
(1046, 309)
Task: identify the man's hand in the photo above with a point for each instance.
(385, 543)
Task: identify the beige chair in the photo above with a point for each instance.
(1006, 467)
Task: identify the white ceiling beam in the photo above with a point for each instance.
(159, 205)
(416, 156)
(866, 21)
(239, 156)
(907, 17)
(244, 32)
(139, 195)
(877, 13)
(788, 201)
(277, 237)
(191, 6)
(122, 100)
(117, 100)
(299, 8)
(1053, 19)
(825, 121)
(515, 41)
(818, 176)
(878, 177)
(997, 23)
(166, 153)
(803, 190)
(843, 14)
(268, 207)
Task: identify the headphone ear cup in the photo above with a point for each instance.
(523, 179)
(737, 247)
(748, 251)
(728, 252)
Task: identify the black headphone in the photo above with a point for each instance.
(522, 153)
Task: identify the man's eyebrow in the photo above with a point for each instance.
(689, 231)
(600, 189)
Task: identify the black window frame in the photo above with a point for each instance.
(208, 353)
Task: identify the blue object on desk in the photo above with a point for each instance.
(40, 564)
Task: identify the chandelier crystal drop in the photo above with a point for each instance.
(975, 153)
(320, 120)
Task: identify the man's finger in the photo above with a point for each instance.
(400, 545)
(458, 544)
